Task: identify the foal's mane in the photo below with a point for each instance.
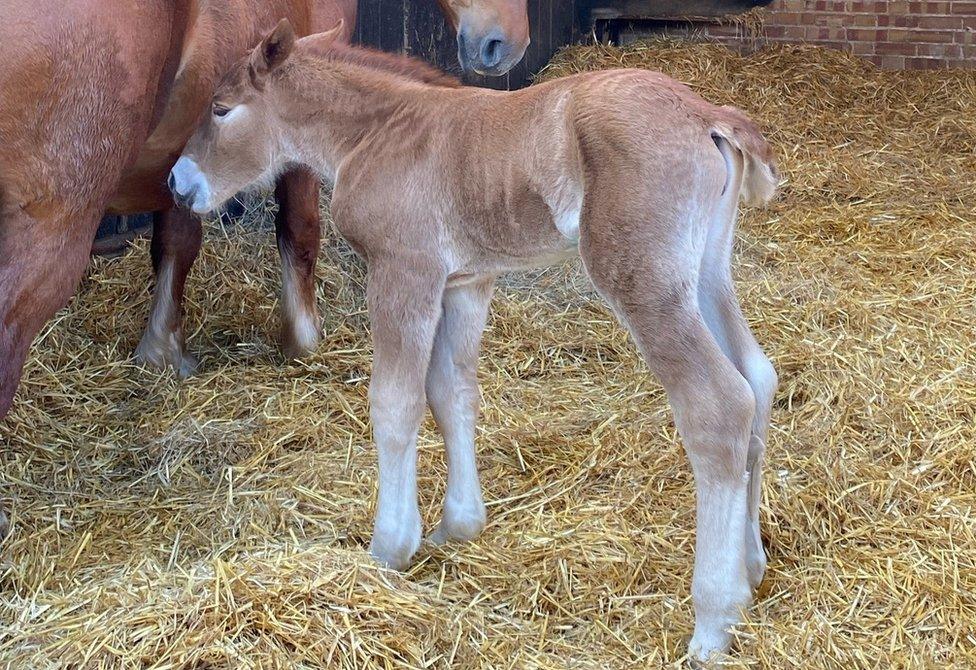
(405, 66)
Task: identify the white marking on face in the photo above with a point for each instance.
(189, 181)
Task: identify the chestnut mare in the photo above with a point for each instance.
(97, 99)
(443, 188)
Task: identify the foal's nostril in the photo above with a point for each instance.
(491, 52)
(171, 183)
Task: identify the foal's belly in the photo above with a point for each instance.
(549, 241)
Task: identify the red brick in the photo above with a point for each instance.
(862, 35)
(896, 49)
(939, 22)
(965, 8)
(923, 63)
(930, 36)
(787, 18)
(862, 20)
(795, 32)
(893, 62)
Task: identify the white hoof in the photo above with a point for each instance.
(459, 526)
(395, 547)
(706, 645)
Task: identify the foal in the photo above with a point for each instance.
(441, 189)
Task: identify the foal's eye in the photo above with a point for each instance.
(220, 110)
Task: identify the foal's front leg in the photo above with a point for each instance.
(452, 393)
(176, 239)
(404, 298)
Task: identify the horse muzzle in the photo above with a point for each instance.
(490, 53)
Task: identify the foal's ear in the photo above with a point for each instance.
(322, 42)
(272, 52)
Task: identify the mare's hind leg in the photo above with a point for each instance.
(452, 393)
(177, 235)
(404, 299)
(299, 231)
(41, 262)
(651, 285)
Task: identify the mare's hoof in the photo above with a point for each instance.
(150, 354)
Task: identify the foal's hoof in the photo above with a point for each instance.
(300, 339)
(458, 528)
(706, 648)
(395, 548)
(4, 525)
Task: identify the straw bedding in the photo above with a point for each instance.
(221, 521)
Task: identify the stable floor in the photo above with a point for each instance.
(222, 521)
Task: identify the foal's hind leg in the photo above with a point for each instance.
(651, 287)
(404, 299)
(720, 307)
(731, 330)
(452, 393)
(176, 239)
(299, 231)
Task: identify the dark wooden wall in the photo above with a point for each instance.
(417, 27)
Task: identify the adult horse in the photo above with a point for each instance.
(97, 99)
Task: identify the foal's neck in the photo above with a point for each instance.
(341, 105)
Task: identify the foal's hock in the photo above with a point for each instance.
(441, 188)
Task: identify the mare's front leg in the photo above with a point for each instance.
(298, 230)
(42, 259)
(177, 236)
(452, 393)
(404, 297)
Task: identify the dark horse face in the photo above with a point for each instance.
(492, 35)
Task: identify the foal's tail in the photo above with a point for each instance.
(733, 130)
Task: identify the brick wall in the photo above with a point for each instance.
(894, 34)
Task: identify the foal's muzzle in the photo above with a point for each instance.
(189, 186)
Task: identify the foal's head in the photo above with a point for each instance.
(237, 144)
(246, 140)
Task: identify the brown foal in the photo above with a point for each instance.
(442, 188)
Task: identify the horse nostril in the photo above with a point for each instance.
(171, 183)
(491, 52)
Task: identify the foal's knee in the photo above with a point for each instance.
(395, 415)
